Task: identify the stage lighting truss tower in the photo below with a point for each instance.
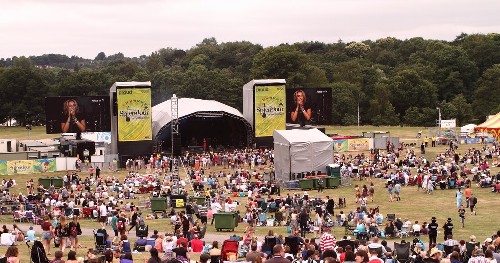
(175, 119)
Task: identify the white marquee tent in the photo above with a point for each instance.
(297, 151)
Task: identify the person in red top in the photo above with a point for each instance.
(181, 239)
(419, 182)
(467, 193)
(47, 233)
(196, 244)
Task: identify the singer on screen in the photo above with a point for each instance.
(72, 120)
(301, 111)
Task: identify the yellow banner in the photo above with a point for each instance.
(134, 114)
(20, 167)
(358, 144)
(179, 203)
(270, 113)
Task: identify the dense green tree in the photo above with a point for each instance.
(23, 92)
(281, 62)
(409, 89)
(487, 96)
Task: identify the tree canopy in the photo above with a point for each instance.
(392, 81)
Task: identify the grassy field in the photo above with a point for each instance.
(414, 205)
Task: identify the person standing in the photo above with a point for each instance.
(389, 190)
(458, 195)
(74, 231)
(397, 191)
(97, 172)
(91, 171)
(472, 204)
(304, 222)
(461, 214)
(433, 231)
(467, 193)
(448, 228)
(321, 182)
(47, 232)
(114, 225)
(133, 219)
(103, 214)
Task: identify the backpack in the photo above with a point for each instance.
(73, 231)
(120, 224)
(37, 253)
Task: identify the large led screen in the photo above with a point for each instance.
(77, 114)
(309, 106)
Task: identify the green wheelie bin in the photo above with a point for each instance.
(199, 200)
(225, 221)
(158, 204)
(45, 182)
(306, 184)
(57, 182)
(332, 182)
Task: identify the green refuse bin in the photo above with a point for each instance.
(45, 182)
(332, 182)
(225, 221)
(57, 182)
(199, 200)
(333, 170)
(158, 204)
(305, 184)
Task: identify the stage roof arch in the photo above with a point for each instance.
(220, 124)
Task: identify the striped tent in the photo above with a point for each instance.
(492, 125)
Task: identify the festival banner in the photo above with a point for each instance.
(3, 167)
(340, 145)
(269, 109)
(44, 165)
(358, 144)
(20, 167)
(134, 114)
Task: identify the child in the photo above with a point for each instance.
(461, 214)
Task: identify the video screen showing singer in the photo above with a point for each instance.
(72, 120)
(300, 111)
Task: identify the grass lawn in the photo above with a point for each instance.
(414, 205)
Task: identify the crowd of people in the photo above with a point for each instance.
(248, 173)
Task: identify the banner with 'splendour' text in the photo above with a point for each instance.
(134, 114)
(270, 109)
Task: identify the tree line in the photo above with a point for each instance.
(393, 81)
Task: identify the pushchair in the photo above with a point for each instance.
(100, 240)
(402, 252)
(229, 250)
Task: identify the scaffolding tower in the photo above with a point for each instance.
(175, 120)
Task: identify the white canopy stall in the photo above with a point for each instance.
(297, 151)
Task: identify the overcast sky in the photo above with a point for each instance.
(140, 27)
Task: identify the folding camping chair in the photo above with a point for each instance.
(402, 252)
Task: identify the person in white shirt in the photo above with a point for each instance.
(103, 214)
(416, 229)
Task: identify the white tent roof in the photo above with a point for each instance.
(162, 114)
(288, 137)
(468, 128)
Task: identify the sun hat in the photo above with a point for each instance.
(434, 251)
